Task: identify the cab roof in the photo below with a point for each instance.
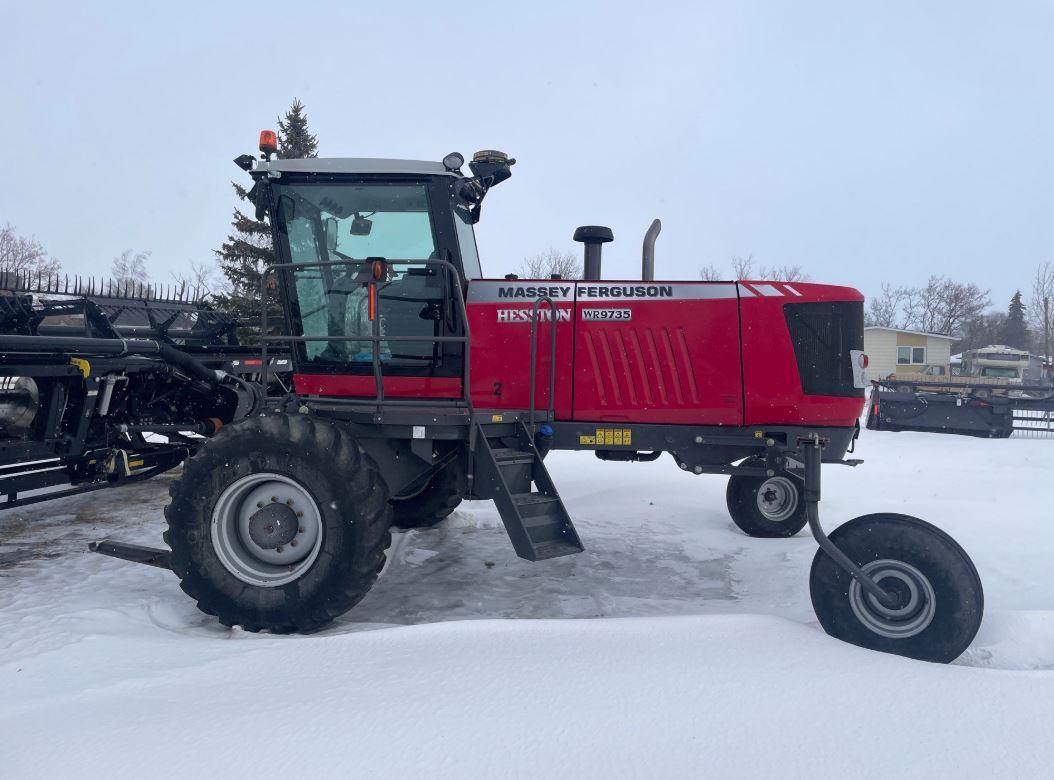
(354, 165)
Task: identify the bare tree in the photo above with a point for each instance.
(1041, 309)
(742, 267)
(129, 269)
(982, 330)
(202, 281)
(921, 307)
(886, 310)
(709, 273)
(24, 255)
(553, 261)
(943, 305)
(939, 306)
(784, 273)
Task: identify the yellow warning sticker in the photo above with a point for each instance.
(616, 437)
(758, 434)
(497, 417)
(134, 464)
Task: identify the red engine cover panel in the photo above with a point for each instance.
(657, 352)
(499, 316)
(772, 387)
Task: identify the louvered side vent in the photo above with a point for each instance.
(635, 367)
(823, 335)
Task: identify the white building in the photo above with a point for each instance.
(890, 350)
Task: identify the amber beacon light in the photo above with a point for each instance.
(268, 142)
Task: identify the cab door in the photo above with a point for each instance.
(367, 249)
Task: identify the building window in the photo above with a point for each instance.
(911, 356)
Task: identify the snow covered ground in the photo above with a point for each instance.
(701, 655)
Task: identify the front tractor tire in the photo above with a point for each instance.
(433, 504)
(939, 599)
(766, 507)
(279, 522)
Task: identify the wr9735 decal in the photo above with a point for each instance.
(607, 314)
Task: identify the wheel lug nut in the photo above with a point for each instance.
(293, 543)
(259, 504)
(301, 530)
(299, 514)
(274, 498)
(278, 548)
(289, 502)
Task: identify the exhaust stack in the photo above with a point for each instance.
(647, 260)
(593, 236)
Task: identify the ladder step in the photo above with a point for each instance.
(534, 522)
(546, 550)
(534, 504)
(504, 455)
(530, 507)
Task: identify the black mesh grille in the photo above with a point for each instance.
(823, 334)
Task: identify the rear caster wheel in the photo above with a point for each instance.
(767, 507)
(939, 599)
(428, 508)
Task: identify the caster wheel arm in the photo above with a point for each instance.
(810, 451)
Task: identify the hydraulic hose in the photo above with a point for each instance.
(249, 394)
(74, 345)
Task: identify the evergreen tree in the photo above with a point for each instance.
(247, 249)
(1014, 332)
(294, 140)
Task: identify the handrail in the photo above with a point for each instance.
(534, 358)
(375, 338)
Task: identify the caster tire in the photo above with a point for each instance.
(766, 507)
(940, 598)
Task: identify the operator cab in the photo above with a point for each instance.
(380, 240)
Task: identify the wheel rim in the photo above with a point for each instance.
(266, 529)
(777, 499)
(915, 607)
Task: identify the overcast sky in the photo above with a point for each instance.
(867, 142)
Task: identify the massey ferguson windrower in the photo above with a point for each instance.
(419, 382)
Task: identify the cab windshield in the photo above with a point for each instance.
(999, 371)
(334, 222)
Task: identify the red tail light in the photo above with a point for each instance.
(867, 360)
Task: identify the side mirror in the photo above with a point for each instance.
(431, 312)
(488, 168)
(258, 197)
(331, 233)
(360, 226)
